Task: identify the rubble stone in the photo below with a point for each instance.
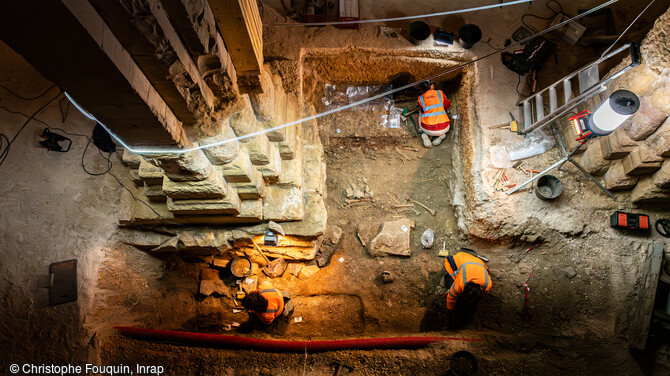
(192, 165)
(244, 122)
(224, 153)
(659, 142)
(594, 161)
(154, 192)
(229, 205)
(251, 190)
(240, 170)
(136, 179)
(272, 170)
(662, 177)
(331, 240)
(308, 271)
(131, 159)
(647, 192)
(259, 149)
(570, 272)
(393, 239)
(282, 204)
(613, 148)
(264, 103)
(645, 121)
(149, 173)
(141, 239)
(215, 186)
(171, 245)
(208, 241)
(633, 164)
(616, 179)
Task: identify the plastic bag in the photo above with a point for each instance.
(536, 142)
(499, 158)
(427, 238)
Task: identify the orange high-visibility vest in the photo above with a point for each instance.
(467, 268)
(275, 303)
(434, 105)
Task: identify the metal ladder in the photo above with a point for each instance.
(533, 112)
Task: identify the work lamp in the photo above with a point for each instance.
(270, 239)
(613, 112)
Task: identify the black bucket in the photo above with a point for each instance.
(419, 31)
(548, 187)
(468, 35)
(463, 363)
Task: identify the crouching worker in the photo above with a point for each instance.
(266, 307)
(468, 280)
(433, 118)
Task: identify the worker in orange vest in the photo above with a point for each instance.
(468, 280)
(266, 304)
(433, 118)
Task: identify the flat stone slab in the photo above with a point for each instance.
(392, 238)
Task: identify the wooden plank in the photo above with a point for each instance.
(642, 322)
(240, 25)
(183, 54)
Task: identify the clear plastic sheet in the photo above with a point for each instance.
(536, 142)
(342, 95)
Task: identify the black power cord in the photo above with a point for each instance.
(28, 98)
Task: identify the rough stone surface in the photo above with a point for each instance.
(213, 286)
(171, 245)
(308, 271)
(154, 192)
(647, 154)
(659, 142)
(229, 205)
(593, 160)
(244, 122)
(570, 272)
(331, 240)
(142, 213)
(660, 98)
(150, 173)
(282, 204)
(314, 169)
(612, 148)
(393, 239)
(645, 121)
(662, 177)
(240, 170)
(192, 165)
(314, 220)
(253, 189)
(633, 164)
(279, 116)
(130, 159)
(141, 239)
(647, 192)
(264, 103)
(251, 209)
(272, 170)
(616, 179)
(291, 173)
(276, 227)
(215, 186)
(206, 241)
(224, 153)
(259, 149)
(134, 176)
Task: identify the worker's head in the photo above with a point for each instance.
(255, 302)
(472, 293)
(426, 85)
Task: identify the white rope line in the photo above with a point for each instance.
(429, 15)
(335, 110)
(624, 32)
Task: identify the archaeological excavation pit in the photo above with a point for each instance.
(184, 194)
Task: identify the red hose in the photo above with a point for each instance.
(219, 340)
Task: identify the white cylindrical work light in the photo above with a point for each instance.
(613, 112)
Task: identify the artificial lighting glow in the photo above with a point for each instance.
(613, 112)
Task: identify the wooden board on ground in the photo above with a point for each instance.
(642, 321)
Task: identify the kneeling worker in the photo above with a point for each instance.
(433, 118)
(267, 304)
(468, 280)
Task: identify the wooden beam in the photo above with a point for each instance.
(645, 307)
(172, 36)
(240, 25)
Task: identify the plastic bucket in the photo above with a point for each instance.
(463, 363)
(419, 31)
(468, 35)
(548, 187)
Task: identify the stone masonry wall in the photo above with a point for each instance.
(636, 156)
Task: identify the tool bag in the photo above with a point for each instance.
(629, 221)
(531, 58)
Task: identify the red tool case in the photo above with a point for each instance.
(629, 221)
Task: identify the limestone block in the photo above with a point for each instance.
(205, 241)
(154, 192)
(659, 142)
(244, 122)
(229, 205)
(660, 99)
(633, 164)
(251, 209)
(594, 161)
(130, 159)
(252, 190)
(647, 154)
(612, 148)
(291, 173)
(272, 170)
(141, 239)
(662, 177)
(142, 213)
(264, 103)
(240, 170)
(189, 166)
(392, 239)
(171, 245)
(640, 80)
(224, 153)
(310, 128)
(126, 207)
(288, 147)
(645, 121)
(616, 179)
(215, 186)
(136, 179)
(647, 192)
(314, 221)
(279, 116)
(282, 204)
(150, 173)
(314, 169)
(259, 149)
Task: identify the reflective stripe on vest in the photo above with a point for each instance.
(486, 274)
(434, 114)
(438, 104)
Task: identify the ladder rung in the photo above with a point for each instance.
(553, 99)
(527, 121)
(539, 106)
(567, 90)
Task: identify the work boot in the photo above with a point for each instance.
(426, 140)
(438, 140)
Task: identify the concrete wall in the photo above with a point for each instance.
(50, 211)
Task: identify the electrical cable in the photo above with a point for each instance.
(28, 98)
(624, 32)
(397, 18)
(5, 151)
(338, 109)
(109, 162)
